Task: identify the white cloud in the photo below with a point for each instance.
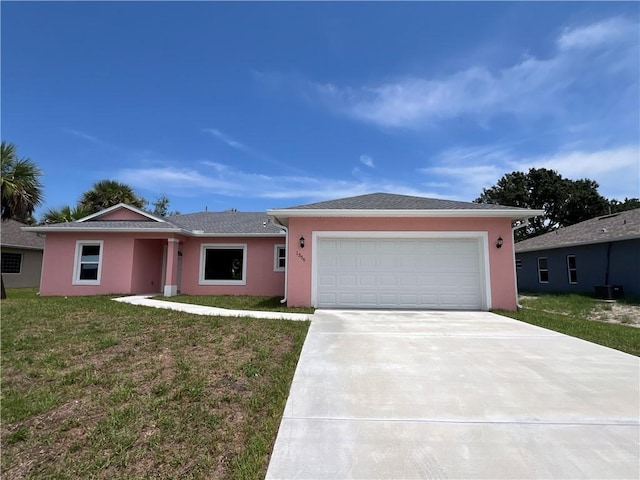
(367, 160)
(607, 31)
(213, 178)
(227, 139)
(532, 86)
(469, 170)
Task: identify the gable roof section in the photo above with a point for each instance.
(607, 228)
(391, 205)
(12, 235)
(145, 216)
(221, 224)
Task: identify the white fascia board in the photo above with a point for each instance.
(50, 228)
(458, 213)
(122, 205)
(231, 235)
(7, 245)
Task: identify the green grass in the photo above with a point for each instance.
(238, 302)
(570, 313)
(93, 388)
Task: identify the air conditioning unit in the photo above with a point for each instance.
(609, 292)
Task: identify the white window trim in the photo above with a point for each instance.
(222, 246)
(546, 269)
(276, 258)
(76, 262)
(574, 269)
(21, 262)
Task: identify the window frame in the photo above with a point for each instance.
(277, 257)
(574, 270)
(222, 246)
(19, 264)
(77, 262)
(540, 270)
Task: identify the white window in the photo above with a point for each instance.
(572, 270)
(87, 267)
(11, 262)
(223, 264)
(279, 258)
(543, 270)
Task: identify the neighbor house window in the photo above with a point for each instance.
(279, 258)
(543, 270)
(11, 262)
(223, 264)
(87, 267)
(572, 270)
(518, 263)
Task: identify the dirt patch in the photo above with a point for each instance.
(613, 312)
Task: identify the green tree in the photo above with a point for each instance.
(564, 201)
(161, 206)
(21, 187)
(20, 190)
(617, 206)
(65, 214)
(107, 193)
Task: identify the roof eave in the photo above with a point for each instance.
(51, 228)
(578, 244)
(458, 213)
(24, 247)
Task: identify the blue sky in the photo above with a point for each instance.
(261, 105)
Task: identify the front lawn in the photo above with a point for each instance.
(238, 302)
(582, 316)
(93, 388)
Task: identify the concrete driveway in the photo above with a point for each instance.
(456, 395)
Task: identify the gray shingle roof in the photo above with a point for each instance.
(607, 228)
(12, 235)
(389, 201)
(215, 223)
(226, 222)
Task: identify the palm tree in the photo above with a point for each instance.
(20, 190)
(106, 193)
(21, 186)
(65, 214)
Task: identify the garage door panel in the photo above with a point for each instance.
(399, 272)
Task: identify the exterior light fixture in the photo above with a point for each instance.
(301, 242)
(499, 242)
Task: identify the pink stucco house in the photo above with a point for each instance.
(371, 251)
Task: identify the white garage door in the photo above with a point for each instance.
(438, 273)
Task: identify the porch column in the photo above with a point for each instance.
(171, 278)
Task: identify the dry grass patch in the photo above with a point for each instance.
(93, 388)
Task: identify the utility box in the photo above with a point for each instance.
(609, 292)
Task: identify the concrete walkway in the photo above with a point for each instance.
(468, 395)
(145, 301)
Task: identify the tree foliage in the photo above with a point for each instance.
(564, 201)
(21, 188)
(617, 206)
(107, 193)
(65, 214)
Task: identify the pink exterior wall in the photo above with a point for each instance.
(121, 214)
(146, 274)
(261, 278)
(57, 268)
(503, 290)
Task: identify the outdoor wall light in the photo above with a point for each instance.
(499, 242)
(301, 242)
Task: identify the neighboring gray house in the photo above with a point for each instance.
(21, 255)
(597, 252)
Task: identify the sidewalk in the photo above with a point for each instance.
(146, 301)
